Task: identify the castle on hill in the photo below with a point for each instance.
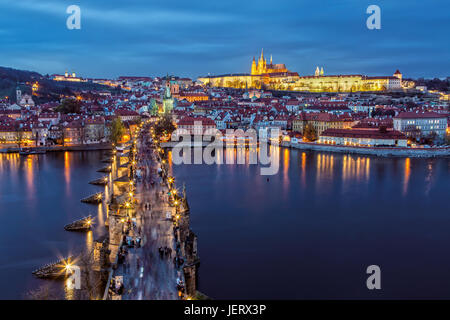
(277, 77)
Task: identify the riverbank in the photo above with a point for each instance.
(374, 151)
(83, 147)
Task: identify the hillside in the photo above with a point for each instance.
(49, 90)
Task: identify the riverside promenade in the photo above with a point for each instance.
(374, 151)
(151, 262)
(78, 147)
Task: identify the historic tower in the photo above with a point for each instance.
(18, 95)
(253, 66)
(398, 74)
(167, 98)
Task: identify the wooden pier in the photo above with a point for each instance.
(83, 224)
(100, 182)
(94, 199)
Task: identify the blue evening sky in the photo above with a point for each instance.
(193, 38)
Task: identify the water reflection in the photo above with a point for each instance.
(67, 171)
(406, 175)
(37, 198)
(29, 176)
(429, 176)
(355, 168)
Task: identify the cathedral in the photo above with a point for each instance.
(262, 67)
(278, 77)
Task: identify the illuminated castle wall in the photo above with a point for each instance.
(278, 77)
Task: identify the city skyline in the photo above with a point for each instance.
(200, 38)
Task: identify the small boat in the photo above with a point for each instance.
(28, 151)
(35, 151)
(24, 153)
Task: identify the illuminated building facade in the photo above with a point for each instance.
(67, 77)
(278, 77)
(321, 121)
(364, 138)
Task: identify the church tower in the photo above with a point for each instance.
(261, 63)
(398, 74)
(168, 101)
(18, 95)
(317, 73)
(253, 67)
(321, 71)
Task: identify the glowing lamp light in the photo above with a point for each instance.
(68, 267)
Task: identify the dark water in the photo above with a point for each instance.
(312, 229)
(308, 232)
(40, 194)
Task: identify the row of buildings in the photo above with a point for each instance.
(366, 119)
(278, 77)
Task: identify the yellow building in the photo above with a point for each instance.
(68, 77)
(262, 67)
(278, 77)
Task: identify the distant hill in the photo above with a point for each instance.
(49, 90)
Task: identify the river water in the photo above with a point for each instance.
(310, 231)
(39, 194)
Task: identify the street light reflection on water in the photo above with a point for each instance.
(323, 216)
(40, 194)
(307, 182)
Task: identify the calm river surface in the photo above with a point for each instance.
(308, 232)
(40, 194)
(313, 229)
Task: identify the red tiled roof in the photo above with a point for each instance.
(414, 115)
(189, 121)
(365, 134)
